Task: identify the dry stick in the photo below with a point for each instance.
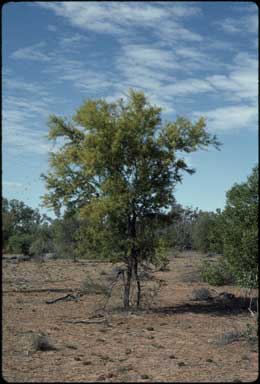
(110, 291)
(40, 290)
(61, 298)
(86, 321)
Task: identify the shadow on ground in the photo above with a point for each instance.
(218, 307)
(215, 307)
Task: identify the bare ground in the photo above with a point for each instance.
(174, 340)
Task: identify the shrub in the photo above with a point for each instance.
(228, 337)
(241, 231)
(217, 273)
(42, 343)
(249, 334)
(201, 294)
(89, 286)
(20, 243)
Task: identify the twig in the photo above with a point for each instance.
(86, 321)
(110, 291)
(40, 290)
(69, 295)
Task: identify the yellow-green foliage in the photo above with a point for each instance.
(117, 167)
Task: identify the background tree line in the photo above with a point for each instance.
(231, 233)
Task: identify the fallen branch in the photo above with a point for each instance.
(40, 290)
(87, 321)
(68, 296)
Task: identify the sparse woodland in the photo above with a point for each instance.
(119, 234)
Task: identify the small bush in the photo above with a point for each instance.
(229, 337)
(144, 376)
(89, 286)
(217, 273)
(249, 334)
(201, 294)
(42, 343)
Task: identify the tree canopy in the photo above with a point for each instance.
(241, 230)
(118, 166)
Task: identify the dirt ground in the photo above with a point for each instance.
(173, 339)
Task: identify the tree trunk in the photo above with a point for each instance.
(131, 259)
(137, 283)
(128, 285)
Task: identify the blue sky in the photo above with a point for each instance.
(191, 58)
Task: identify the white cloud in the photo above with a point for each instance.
(25, 119)
(12, 184)
(241, 83)
(123, 18)
(73, 41)
(244, 24)
(52, 28)
(33, 52)
(231, 118)
(12, 84)
(188, 87)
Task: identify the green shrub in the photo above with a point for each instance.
(42, 343)
(249, 334)
(217, 273)
(240, 229)
(89, 286)
(20, 243)
(201, 294)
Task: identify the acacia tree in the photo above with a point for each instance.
(240, 228)
(118, 166)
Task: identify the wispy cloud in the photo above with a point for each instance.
(231, 118)
(12, 184)
(26, 107)
(34, 53)
(247, 23)
(241, 83)
(52, 28)
(173, 66)
(123, 18)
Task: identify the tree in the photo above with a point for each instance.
(21, 225)
(7, 228)
(201, 231)
(178, 234)
(20, 243)
(216, 233)
(64, 232)
(118, 166)
(240, 229)
(207, 232)
(42, 240)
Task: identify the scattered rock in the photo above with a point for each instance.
(77, 358)
(110, 375)
(71, 346)
(86, 362)
(209, 361)
(145, 376)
